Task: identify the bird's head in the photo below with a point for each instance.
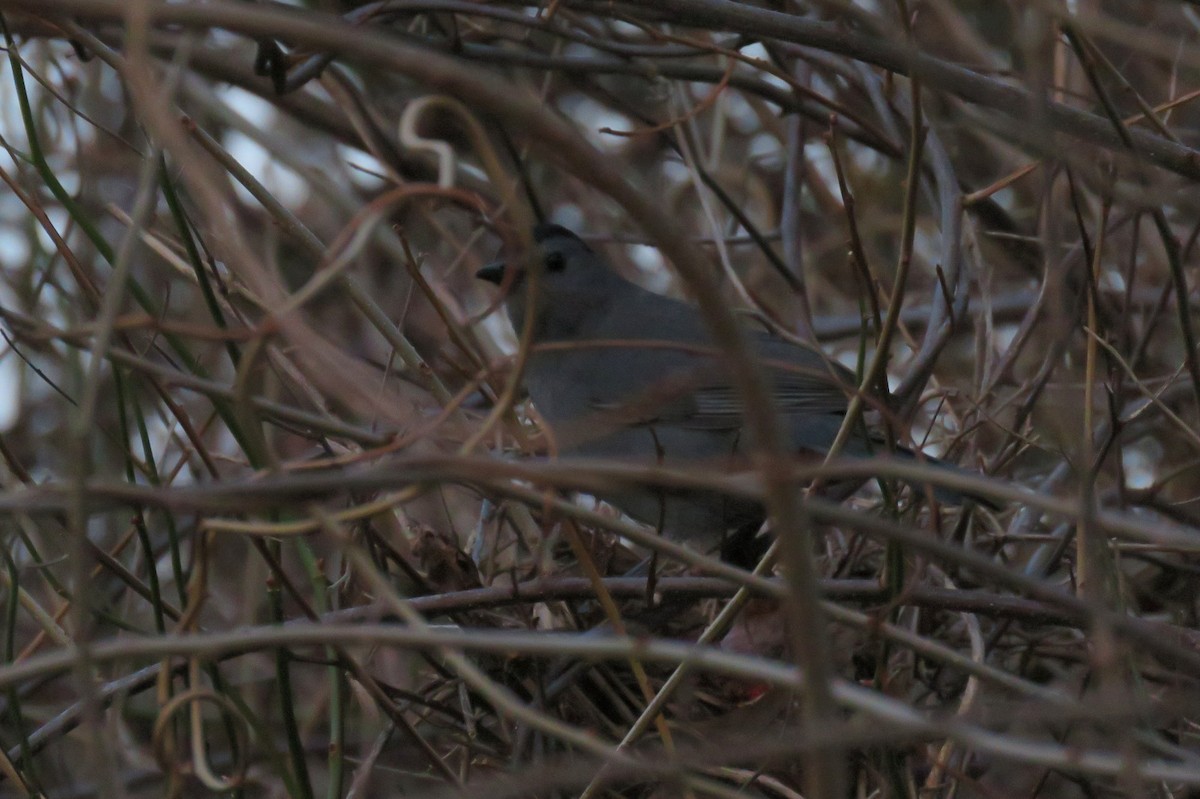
(573, 284)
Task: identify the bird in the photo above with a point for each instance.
(622, 373)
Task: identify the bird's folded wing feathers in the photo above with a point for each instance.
(705, 396)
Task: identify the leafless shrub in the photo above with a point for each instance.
(273, 515)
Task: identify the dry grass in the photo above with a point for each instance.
(265, 521)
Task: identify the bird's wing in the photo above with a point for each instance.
(802, 382)
(659, 383)
(797, 391)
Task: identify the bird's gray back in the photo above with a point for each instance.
(655, 357)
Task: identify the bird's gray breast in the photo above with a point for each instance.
(612, 406)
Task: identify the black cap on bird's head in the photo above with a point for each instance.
(548, 231)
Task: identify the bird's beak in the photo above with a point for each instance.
(492, 273)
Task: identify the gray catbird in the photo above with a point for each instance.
(621, 373)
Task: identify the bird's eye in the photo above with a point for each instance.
(555, 262)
